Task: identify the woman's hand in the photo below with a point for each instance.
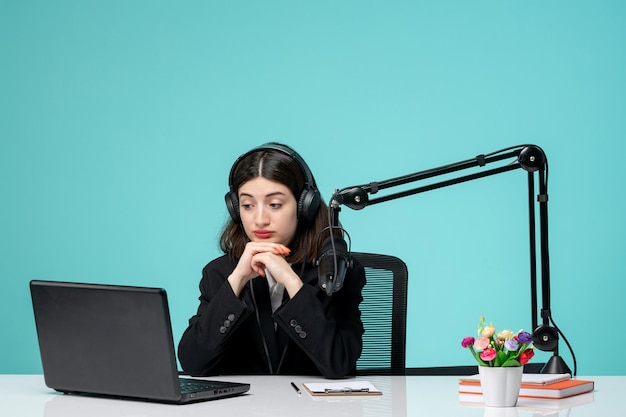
(280, 269)
(258, 256)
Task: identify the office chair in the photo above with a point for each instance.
(383, 312)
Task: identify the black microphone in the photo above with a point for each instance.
(332, 264)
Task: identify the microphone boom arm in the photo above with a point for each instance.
(528, 157)
(357, 197)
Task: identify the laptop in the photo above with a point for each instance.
(112, 340)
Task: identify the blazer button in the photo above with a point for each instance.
(226, 323)
(223, 329)
(302, 334)
(298, 328)
(231, 317)
(293, 323)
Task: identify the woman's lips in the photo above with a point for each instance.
(263, 234)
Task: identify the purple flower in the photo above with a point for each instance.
(467, 342)
(524, 337)
(511, 344)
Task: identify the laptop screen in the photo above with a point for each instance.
(114, 340)
(103, 339)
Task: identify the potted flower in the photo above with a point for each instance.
(501, 356)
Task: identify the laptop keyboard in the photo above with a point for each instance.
(196, 385)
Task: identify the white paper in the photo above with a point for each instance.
(321, 387)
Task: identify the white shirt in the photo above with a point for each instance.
(276, 291)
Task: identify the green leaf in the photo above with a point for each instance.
(501, 358)
(511, 363)
(477, 357)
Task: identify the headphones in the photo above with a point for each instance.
(309, 199)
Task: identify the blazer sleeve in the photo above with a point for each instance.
(327, 328)
(205, 339)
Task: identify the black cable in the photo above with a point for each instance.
(330, 236)
(507, 149)
(566, 342)
(551, 320)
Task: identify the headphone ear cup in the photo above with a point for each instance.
(545, 338)
(308, 204)
(232, 204)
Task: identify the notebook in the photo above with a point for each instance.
(111, 340)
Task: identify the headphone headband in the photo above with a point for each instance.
(309, 183)
(309, 199)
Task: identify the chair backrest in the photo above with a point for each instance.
(383, 312)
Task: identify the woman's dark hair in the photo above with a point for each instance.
(277, 166)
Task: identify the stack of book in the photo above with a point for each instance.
(541, 390)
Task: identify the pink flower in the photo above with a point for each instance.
(488, 354)
(467, 342)
(525, 356)
(481, 343)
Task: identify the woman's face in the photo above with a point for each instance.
(268, 211)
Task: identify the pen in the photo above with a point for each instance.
(295, 387)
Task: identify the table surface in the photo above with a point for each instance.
(27, 395)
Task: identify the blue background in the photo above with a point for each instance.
(119, 122)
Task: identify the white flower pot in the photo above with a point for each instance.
(500, 386)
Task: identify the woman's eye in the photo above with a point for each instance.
(276, 205)
(246, 206)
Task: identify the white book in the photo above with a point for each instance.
(534, 379)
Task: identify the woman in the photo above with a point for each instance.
(261, 308)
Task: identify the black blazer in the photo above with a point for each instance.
(315, 334)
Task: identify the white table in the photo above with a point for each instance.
(273, 396)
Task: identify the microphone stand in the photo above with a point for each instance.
(532, 159)
(331, 280)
